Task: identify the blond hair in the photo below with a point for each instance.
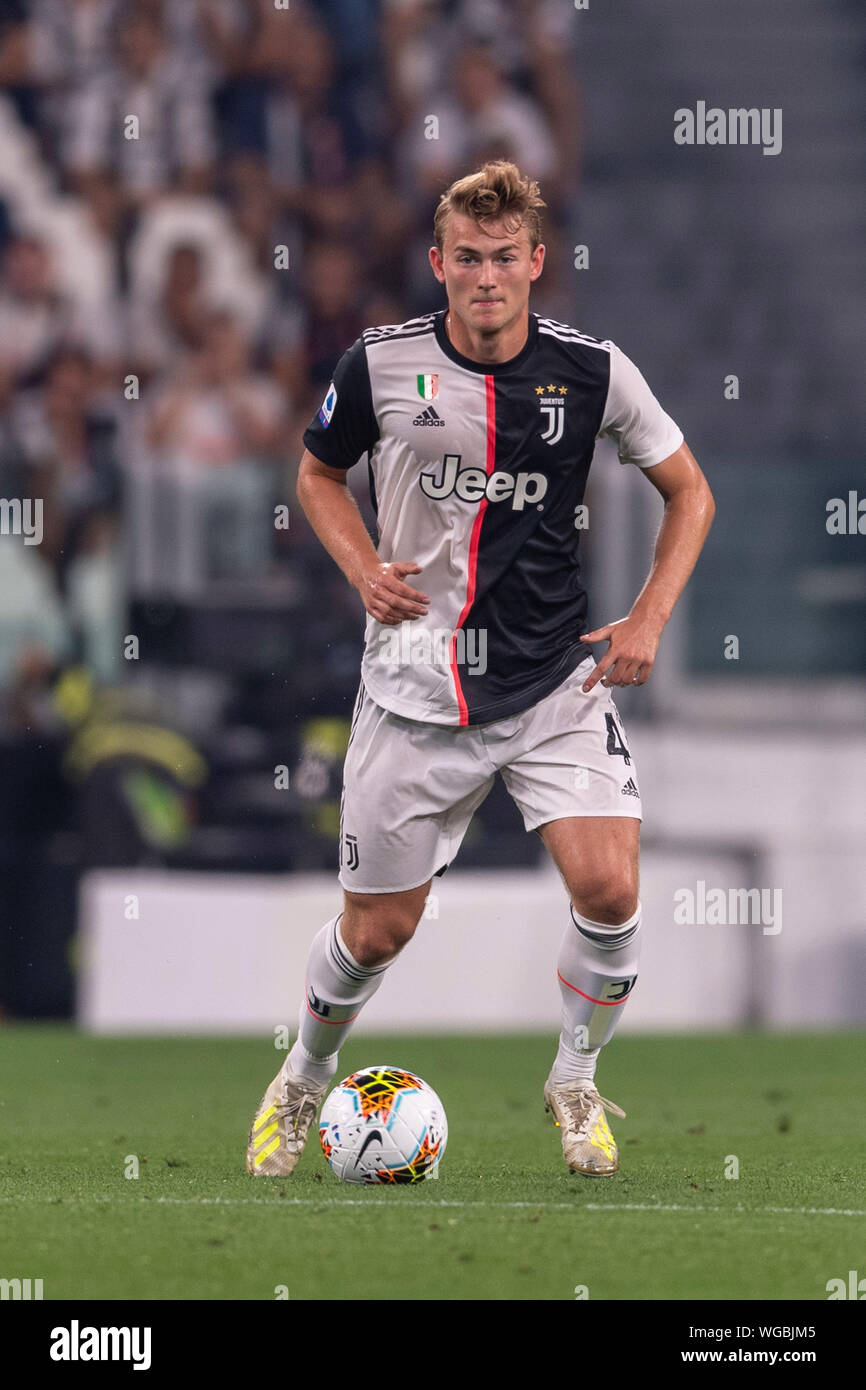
(496, 192)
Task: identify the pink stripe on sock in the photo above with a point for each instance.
(608, 1003)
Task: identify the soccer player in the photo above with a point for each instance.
(479, 424)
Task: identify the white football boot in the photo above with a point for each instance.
(281, 1125)
(587, 1143)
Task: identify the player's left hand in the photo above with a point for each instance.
(630, 656)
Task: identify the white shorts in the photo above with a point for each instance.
(410, 789)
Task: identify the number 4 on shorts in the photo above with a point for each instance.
(615, 740)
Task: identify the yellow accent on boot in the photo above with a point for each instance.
(281, 1125)
(587, 1143)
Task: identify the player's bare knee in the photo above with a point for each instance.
(376, 928)
(378, 943)
(609, 903)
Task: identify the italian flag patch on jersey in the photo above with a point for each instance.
(428, 386)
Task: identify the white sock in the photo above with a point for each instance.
(597, 969)
(337, 988)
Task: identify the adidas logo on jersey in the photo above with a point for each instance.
(630, 789)
(428, 417)
(471, 484)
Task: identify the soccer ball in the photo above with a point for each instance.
(383, 1125)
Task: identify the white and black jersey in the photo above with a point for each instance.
(477, 472)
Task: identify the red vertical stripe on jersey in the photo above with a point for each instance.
(489, 463)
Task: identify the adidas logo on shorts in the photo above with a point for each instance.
(630, 789)
(428, 417)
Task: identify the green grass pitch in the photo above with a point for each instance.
(505, 1220)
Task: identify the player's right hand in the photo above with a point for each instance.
(387, 598)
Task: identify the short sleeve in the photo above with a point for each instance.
(643, 432)
(345, 425)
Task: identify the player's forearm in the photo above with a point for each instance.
(687, 518)
(333, 514)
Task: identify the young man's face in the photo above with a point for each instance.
(487, 271)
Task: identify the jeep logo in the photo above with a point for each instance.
(471, 484)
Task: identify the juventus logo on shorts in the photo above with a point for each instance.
(351, 842)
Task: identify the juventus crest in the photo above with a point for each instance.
(551, 403)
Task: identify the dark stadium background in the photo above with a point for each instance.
(171, 310)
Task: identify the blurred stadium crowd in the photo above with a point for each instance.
(175, 290)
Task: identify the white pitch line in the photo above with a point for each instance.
(378, 1204)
